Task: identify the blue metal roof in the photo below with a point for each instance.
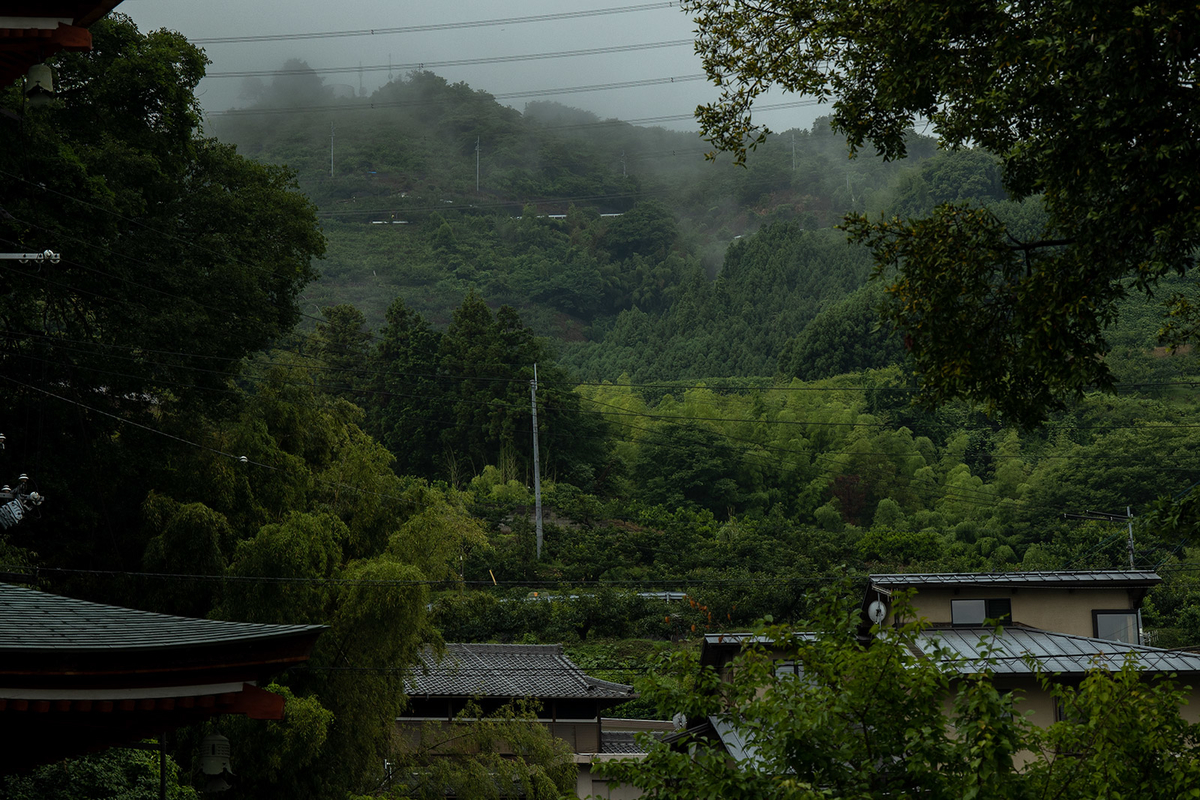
(1061, 578)
(1014, 648)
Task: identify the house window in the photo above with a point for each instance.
(975, 613)
(786, 669)
(1117, 626)
(1064, 713)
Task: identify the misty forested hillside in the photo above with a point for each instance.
(622, 244)
(617, 241)
(222, 433)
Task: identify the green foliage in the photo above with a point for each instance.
(823, 714)
(180, 258)
(450, 404)
(190, 539)
(691, 469)
(591, 282)
(1011, 329)
(506, 753)
(117, 774)
(268, 756)
(1123, 736)
(1082, 106)
(845, 337)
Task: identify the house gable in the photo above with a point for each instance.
(1100, 604)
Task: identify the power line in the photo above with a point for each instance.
(752, 450)
(315, 365)
(672, 583)
(461, 62)
(437, 26)
(369, 105)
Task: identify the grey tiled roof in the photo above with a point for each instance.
(620, 743)
(1091, 578)
(36, 621)
(1056, 652)
(508, 671)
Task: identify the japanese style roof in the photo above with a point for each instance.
(32, 30)
(84, 643)
(509, 671)
(77, 676)
(622, 743)
(1056, 653)
(1056, 579)
(33, 620)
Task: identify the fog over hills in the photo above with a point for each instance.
(534, 49)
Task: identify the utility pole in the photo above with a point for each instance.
(1129, 516)
(623, 173)
(1101, 516)
(477, 177)
(331, 149)
(793, 151)
(537, 468)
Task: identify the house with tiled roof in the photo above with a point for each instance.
(78, 677)
(571, 703)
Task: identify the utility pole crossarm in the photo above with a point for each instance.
(24, 258)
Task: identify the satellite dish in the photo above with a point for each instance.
(877, 612)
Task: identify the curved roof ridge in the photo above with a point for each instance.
(33, 620)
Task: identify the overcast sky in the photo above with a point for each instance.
(639, 22)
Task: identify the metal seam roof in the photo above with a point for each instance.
(1054, 652)
(1047, 578)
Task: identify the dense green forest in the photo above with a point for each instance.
(221, 433)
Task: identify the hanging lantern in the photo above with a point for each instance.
(214, 762)
(39, 85)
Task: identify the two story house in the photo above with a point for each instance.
(1065, 622)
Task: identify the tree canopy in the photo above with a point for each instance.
(1088, 106)
(825, 715)
(179, 257)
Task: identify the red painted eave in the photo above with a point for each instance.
(249, 700)
(22, 47)
(37, 731)
(81, 12)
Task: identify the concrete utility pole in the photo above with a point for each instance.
(1129, 516)
(477, 167)
(537, 468)
(1101, 516)
(331, 149)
